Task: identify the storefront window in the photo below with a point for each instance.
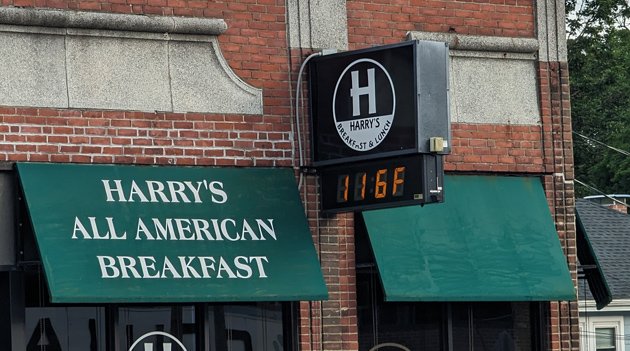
(441, 326)
(263, 326)
(65, 329)
(240, 327)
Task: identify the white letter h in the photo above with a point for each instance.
(368, 90)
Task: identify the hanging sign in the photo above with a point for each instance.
(379, 102)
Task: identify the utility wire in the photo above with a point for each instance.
(298, 106)
(601, 193)
(623, 152)
(588, 334)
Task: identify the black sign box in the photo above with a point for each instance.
(379, 102)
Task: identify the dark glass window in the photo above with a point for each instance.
(248, 327)
(442, 326)
(254, 327)
(505, 326)
(398, 324)
(65, 328)
(265, 326)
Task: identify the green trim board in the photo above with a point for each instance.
(493, 239)
(120, 234)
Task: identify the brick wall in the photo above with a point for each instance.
(558, 161)
(387, 21)
(330, 324)
(52, 135)
(495, 148)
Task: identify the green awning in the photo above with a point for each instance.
(122, 234)
(493, 239)
(598, 231)
(591, 267)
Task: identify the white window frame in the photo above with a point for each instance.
(590, 323)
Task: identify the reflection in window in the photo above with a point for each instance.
(501, 326)
(178, 321)
(61, 328)
(416, 326)
(256, 327)
(491, 326)
(65, 329)
(268, 326)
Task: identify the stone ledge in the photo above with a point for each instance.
(480, 43)
(110, 21)
(492, 79)
(107, 69)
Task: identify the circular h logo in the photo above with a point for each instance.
(151, 340)
(364, 103)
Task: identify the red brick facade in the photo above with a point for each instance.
(558, 151)
(385, 22)
(82, 136)
(255, 46)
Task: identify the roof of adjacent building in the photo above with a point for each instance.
(608, 233)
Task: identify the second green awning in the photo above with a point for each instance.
(493, 239)
(170, 234)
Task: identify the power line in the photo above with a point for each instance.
(588, 334)
(601, 193)
(623, 152)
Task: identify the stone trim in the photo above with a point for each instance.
(111, 21)
(492, 79)
(317, 26)
(106, 69)
(551, 30)
(525, 48)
